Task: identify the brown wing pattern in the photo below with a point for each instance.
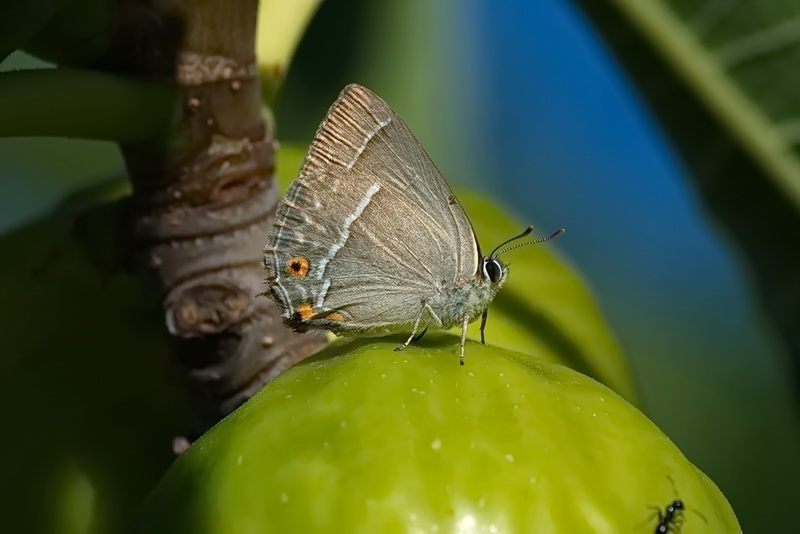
(373, 218)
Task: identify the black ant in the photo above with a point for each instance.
(671, 519)
(672, 516)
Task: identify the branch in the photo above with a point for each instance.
(204, 199)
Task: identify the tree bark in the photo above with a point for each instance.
(204, 197)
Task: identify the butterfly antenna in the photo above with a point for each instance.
(527, 231)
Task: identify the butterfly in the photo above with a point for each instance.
(370, 240)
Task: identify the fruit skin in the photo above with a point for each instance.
(363, 439)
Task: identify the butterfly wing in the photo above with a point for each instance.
(369, 228)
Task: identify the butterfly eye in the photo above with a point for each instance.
(492, 269)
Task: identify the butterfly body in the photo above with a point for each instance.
(464, 299)
(446, 307)
(369, 239)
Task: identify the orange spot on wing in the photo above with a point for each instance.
(336, 316)
(305, 311)
(297, 267)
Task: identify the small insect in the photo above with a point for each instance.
(671, 519)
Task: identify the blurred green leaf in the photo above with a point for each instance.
(543, 310)
(723, 80)
(84, 104)
(364, 439)
(281, 25)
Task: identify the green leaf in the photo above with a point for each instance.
(281, 25)
(84, 104)
(544, 309)
(364, 439)
(722, 78)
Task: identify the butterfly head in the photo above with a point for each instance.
(494, 270)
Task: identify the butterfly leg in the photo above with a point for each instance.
(420, 336)
(413, 335)
(483, 325)
(464, 326)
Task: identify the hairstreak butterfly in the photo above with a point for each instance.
(370, 240)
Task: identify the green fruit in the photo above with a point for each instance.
(362, 439)
(88, 396)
